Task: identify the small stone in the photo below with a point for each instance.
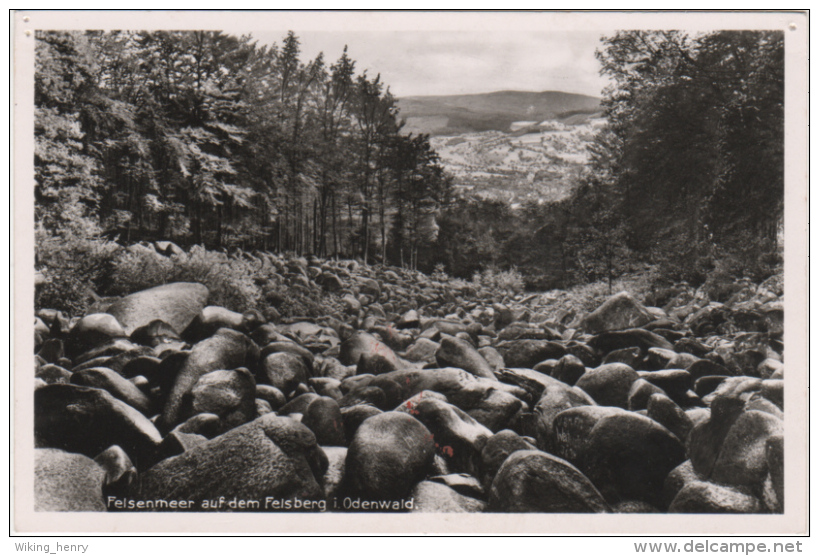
(569, 369)
(663, 410)
(120, 473)
(323, 417)
(641, 391)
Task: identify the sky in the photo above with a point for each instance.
(416, 63)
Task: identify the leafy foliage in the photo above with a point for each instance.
(205, 138)
(689, 169)
(72, 266)
(505, 281)
(231, 280)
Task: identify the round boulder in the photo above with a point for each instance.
(534, 481)
(619, 312)
(571, 429)
(229, 394)
(569, 369)
(742, 458)
(284, 371)
(269, 457)
(609, 384)
(458, 353)
(388, 455)
(628, 456)
(119, 387)
(323, 417)
(495, 451)
(359, 343)
(89, 420)
(557, 397)
(458, 437)
(95, 329)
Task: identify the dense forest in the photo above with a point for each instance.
(208, 139)
(205, 138)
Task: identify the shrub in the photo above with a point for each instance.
(439, 274)
(298, 301)
(236, 282)
(501, 281)
(231, 280)
(73, 266)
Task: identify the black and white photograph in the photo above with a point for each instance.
(410, 272)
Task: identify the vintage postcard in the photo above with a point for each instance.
(410, 272)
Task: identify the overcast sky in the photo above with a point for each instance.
(462, 62)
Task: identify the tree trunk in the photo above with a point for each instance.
(366, 230)
(350, 225)
(335, 227)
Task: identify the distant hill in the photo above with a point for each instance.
(534, 162)
(456, 114)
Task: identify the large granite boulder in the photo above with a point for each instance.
(177, 304)
(272, 457)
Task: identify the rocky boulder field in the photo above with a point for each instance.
(420, 395)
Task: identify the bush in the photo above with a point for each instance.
(503, 281)
(236, 282)
(231, 280)
(73, 267)
(439, 274)
(298, 301)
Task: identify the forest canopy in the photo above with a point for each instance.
(689, 170)
(205, 138)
